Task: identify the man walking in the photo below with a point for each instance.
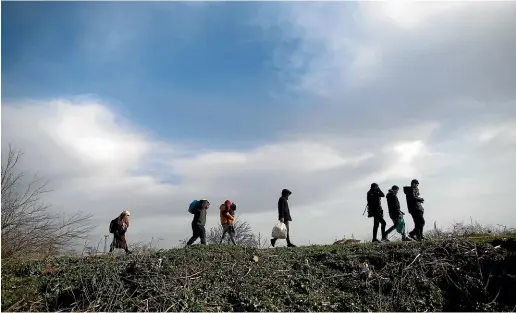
(374, 204)
(395, 212)
(199, 221)
(415, 208)
(284, 215)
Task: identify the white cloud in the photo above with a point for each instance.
(390, 101)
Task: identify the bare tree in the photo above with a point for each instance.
(29, 229)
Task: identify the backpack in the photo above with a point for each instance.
(193, 205)
(112, 225)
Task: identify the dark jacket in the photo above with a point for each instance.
(283, 209)
(413, 200)
(374, 201)
(199, 215)
(393, 204)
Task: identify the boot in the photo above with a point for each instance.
(291, 245)
(385, 239)
(376, 240)
(412, 235)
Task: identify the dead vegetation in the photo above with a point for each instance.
(29, 228)
(443, 275)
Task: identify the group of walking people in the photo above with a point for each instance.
(414, 205)
(199, 208)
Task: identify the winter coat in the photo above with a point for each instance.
(413, 200)
(283, 209)
(374, 201)
(226, 218)
(119, 241)
(393, 204)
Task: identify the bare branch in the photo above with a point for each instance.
(28, 227)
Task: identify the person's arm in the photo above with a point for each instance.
(229, 216)
(416, 198)
(281, 208)
(380, 193)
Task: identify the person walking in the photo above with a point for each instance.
(284, 216)
(118, 227)
(415, 208)
(199, 222)
(395, 212)
(374, 204)
(227, 219)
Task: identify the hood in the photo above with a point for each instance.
(390, 191)
(226, 206)
(407, 190)
(285, 193)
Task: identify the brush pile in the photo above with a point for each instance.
(445, 275)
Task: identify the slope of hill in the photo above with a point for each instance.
(447, 275)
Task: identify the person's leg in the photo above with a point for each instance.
(376, 223)
(224, 231)
(383, 224)
(112, 245)
(195, 235)
(288, 232)
(202, 234)
(421, 226)
(393, 227)
(232, 236)
(413, 234)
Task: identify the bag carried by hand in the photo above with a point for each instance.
(400, 225)
(279, 231)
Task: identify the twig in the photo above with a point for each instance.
(417, 256)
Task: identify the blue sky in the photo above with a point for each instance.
(165, 78)
(149, 105)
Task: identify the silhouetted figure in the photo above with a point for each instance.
(284, 215)
(227, 219)
(415, 208)
(395, 212)
(374, 204)
(118, 227)
(199, 221)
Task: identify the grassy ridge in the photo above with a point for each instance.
(447, 275)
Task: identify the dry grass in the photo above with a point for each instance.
(443, 275)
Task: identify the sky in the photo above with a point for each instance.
(147, 106)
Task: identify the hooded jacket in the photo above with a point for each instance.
(413, 199)
(374, 201)
(225, 216)
(283, 209)
(393, 203)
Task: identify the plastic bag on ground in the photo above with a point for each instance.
(279, 231)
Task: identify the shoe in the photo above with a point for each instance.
(291, 245)
(376, 240)
(385, 239)
(422, 238)
(405, 238)
(413, 236)
(273, 242)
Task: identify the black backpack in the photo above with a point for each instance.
(113, 225)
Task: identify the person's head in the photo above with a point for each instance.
(414, 183)
(233, 206)
(374, 186)
(286, 193)
(205, 204)
(395, 189)
(125, 215)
